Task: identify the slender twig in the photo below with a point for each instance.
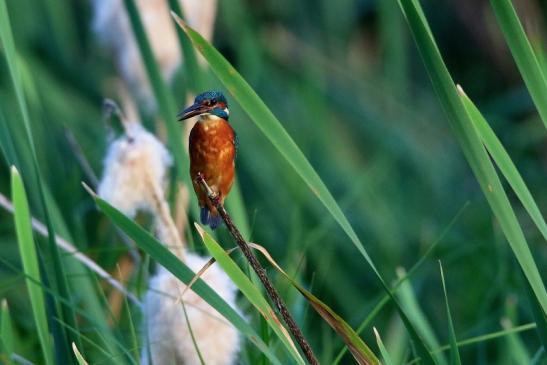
(69, 248)
(260, 271)
(80, 157)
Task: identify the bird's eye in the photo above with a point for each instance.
(213, 101)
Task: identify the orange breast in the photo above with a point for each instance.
(212, 152)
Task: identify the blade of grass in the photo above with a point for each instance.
(504, 163)
(164, 257)
(472, 147)
(6, 334)
(261, 115)
(415, 312)
(192, 334)
(383, 350)
(250, 291)
(27, 249)
(539, 317)
(513, 350)
(66, 313)
(132, 332)
(523, 53)
(114, 359)
(79, 357)
(489, 336)
(454, 353)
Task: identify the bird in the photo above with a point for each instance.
(212, 148)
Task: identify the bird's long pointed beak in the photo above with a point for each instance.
(191, 111)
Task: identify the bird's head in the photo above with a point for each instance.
(207, 103)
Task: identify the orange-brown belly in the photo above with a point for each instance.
(212, 153)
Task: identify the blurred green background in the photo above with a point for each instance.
(345, 79)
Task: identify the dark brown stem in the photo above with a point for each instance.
(260, 271)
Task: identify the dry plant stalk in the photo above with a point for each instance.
(260, 271)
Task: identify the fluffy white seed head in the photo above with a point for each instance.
(135, 170)
(114, 31)
(166, 330)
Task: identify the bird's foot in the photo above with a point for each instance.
(215, 198)
(212, 195)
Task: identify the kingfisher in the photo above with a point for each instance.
(212, 149)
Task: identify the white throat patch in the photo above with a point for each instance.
(208, 117)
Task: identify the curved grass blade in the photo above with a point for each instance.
(6, 334)
(454, 353)
(261, 115)
(523, 53)
(27, 249)
(356, 346)
(504, 163)
(417, 315)
(250, 291)
(163, 256)
(473, 149)
(383, 350)
(79, 357)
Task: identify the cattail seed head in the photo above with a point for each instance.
(167, 330)
(135, 170)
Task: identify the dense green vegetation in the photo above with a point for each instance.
(360, 163)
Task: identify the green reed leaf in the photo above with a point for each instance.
(29, 257)
(472, 147)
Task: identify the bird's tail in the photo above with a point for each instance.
(212, 219)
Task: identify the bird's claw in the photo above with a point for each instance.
(214, 197)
